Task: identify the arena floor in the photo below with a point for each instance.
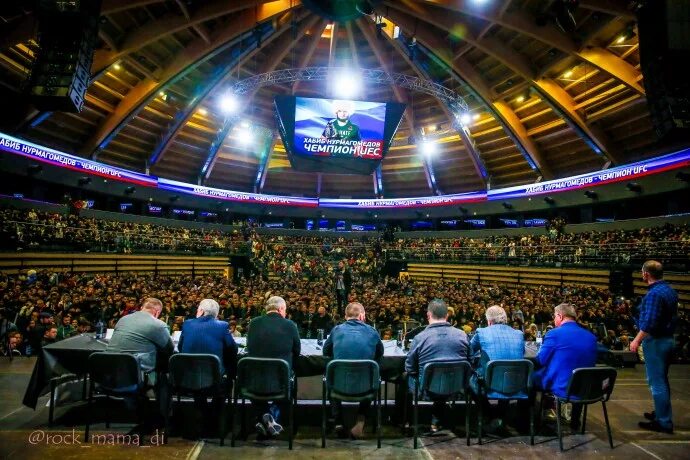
(24, 433)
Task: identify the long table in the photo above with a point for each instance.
(70, 356)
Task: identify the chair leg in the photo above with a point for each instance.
(167, 419)
(558, 423)
(292, 422)
(541, 410)
(323, 414)
(531, 423)
(83, 388)
(378, 418)
(385, 398)
(221, 424)
(51, 408)
(415, 416)
(232, 419)
(106, 413)
(467, 417)
(584, 419)
(608, 426)
(243, 421)
(479, 422)
(89, 402)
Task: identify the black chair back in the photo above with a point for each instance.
(194, 372)
(445, 378)
(115, 372)
(508, 378)
(591, 384)
(263, 378)
(347, 378)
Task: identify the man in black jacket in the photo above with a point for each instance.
(272, 336)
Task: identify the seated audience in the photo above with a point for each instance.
(354, 339)
(567, 347)
(438, 342)
(207, 335)
(272, 336)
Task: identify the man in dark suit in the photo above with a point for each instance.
(565, 348)
(272, 336)
(354, 339)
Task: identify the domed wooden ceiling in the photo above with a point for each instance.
(545, 103)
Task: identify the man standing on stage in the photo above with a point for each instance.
(657, 323)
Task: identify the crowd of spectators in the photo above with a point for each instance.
(47, 306)
(304, 256)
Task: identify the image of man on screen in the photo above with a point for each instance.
(342, 127)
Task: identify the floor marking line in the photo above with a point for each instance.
(196, 450)
(645, 450)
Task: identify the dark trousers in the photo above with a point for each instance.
(341, 299)
(337, 410)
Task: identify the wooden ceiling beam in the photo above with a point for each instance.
(194, 55)
(171, 23)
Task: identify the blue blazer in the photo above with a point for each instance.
(210, 336)
(565, 348)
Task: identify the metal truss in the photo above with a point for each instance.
(372, 76)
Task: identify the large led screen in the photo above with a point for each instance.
(336, 136)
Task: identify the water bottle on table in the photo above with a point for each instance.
(399, 339)
(100, 330)
(538, 340)
(319, 337)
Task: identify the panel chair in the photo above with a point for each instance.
(508, 380)
(264, 379)
(115, 374)
(352, 381)
(588, 385)
(445, 379)
(198, 375)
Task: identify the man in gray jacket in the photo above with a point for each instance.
(438, 342)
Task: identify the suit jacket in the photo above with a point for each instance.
(499, 341)
(354, 339)
(565, 348)
(272, 336)
(143, 336)
(207, 335)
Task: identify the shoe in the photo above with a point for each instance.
(358, 429)
(274, 428)
(650, 415)
(654, 426)
(261, 429)
(340, 431)
(566, 412)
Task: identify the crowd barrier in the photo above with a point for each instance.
(14, 263)
(513, 276)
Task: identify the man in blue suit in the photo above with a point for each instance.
(567, 347)
(207, 335)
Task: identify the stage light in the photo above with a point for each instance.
(130, 190)
(507, 205)
(428, 147)
(245, 135)
(229, 103)
(549, 200)
(117, 66)
(202, 112)
(591, 195)
(34, 168)
(84, 181)
(465, 118)
(347, 84)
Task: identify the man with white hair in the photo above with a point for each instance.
(497, 341)
(207, 335)
(272, 336)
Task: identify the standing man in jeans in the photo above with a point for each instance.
(657, 323)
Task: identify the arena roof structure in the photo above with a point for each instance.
(553, 89)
